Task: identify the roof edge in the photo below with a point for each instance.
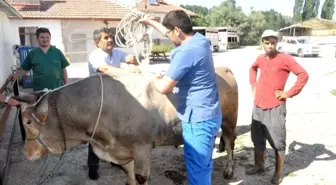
(12, 9)
(74, 18)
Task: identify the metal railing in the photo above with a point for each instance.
(7, 88)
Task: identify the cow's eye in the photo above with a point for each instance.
(29, 122)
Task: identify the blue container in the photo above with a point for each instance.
(23, 52)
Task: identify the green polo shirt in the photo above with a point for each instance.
(47, 67)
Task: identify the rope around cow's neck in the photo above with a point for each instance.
(101, 105)
(134, 33)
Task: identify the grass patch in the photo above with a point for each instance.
(333, 92)
(162, 48)
(292, 174)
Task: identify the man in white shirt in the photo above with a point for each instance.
(107, 59)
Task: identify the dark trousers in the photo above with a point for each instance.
(269, 124)
(93, 160)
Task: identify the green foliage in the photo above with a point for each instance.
(297, 10)
(308, 10)
(200, 11)
(250, 26)
(162, 48)
(328, 9)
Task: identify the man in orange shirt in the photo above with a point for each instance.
(269, 111)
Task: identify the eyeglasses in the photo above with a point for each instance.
(166, 34)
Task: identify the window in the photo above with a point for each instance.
(28, 36)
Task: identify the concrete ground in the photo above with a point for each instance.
(310, 159)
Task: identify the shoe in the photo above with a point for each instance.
(279, 160)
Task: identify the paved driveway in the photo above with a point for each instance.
(311, 125)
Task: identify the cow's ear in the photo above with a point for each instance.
(41, 110)
(30, 98)
(25, 98)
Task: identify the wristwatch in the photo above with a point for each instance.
(7, 98)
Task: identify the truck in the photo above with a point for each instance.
(228, 37)
(299, 46)
(211, 34)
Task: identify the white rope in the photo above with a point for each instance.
(133, 32)
(101, 105)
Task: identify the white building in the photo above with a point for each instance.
(71, 23)
(7, 40)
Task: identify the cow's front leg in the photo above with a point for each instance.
(129, 170)
(142, 160)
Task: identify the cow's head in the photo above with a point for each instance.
(34, 109)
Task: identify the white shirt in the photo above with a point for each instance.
(98, 58)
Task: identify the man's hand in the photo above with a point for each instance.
(13, 102)
(280, 95)
(146, 20)
(130, 59)
(13, 77)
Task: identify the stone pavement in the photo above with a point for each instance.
(310, 160)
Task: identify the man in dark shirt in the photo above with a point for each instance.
(269, 111)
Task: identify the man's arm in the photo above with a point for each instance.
(156, 25)
(180, 65)
(25, 67)
(64, 64)
(9, 100)
(253, 75)
(300, 72)
(65, 76)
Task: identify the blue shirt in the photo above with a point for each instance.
(193, 68)
(98, 58)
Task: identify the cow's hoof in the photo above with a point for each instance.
(228, 170)
(93, 174)
(141, 179)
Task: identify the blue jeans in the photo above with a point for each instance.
(198, 140)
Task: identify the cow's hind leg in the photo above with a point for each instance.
(229, 137)
(142, 159)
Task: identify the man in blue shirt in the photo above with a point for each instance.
(193, 74)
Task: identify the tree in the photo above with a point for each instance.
(316, 8)
(328, 9)
(297, 10)
(308, 10)
(200, 11)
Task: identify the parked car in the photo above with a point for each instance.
(299, 46)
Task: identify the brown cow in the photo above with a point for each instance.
(134, 116)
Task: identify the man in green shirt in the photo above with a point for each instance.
(48, 64)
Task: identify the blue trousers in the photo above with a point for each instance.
(198, 140)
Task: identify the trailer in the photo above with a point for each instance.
(211, 34)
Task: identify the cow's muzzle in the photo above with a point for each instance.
(40, 141)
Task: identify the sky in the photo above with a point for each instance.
(285, 7)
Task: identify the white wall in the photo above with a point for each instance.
(53, 25)
(87, 27)
(156, 34)
(7, 37)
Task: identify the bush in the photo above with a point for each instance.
(162, 48)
